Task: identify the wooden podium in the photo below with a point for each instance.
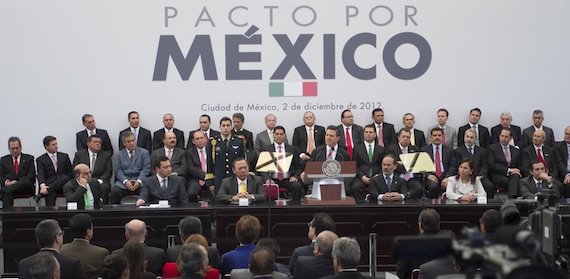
(329, 190)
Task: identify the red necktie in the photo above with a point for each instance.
(16, 165)
(380, 135)
(348, 143)
(541, 159)
(443, 139)
(279, 169)
(329, 157)
(206, 134)
(507, 155)
(437, 162)
(204, 167)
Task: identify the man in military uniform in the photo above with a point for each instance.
(225, 148)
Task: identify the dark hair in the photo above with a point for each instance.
(475, 109)
(370, 126)
(334, 128)
(84, 117)
(79, 224)
(133, 250)
(435, 130)
(279, 128)
(239, 116)
(537, 111)
(46, 232)
(404, 130)
(447, 233)
(473, 175)
(131, 112)
(492, 219)
(375, 110)
(191, 257)
(271, 244)
(188, 226)
(238, 159)
(342, 113)
(429, 218)
(43, 265)
(322, 222)
(261, 261)
(12, 139)
(48, 139)
(113, 266)
(508, 130)
(157, 161)
(247, 229)
(394, 160)
(205, 115)
(444, 110)
(225, 118)
(94, 136)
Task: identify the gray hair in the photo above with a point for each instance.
(347, 251)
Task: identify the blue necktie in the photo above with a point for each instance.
(389, 183)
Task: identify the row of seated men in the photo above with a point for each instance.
(133, 164)
(326, 256)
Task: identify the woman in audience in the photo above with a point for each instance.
(173, 270)
(134, 252)
(465, 186)
(115, 267)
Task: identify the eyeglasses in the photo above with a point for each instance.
(62, 233)
(309, 224)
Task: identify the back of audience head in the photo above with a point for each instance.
(428, 221)
(271, 244)
(197, 238)
(44, 265)
(188, 226)
(193, 258)
(133, 250)
(247, 229)
(262, 261)
(346, 253)
(135, 230)
(490, 221)
(322, 222)
(324, 243)
(115, 267)
(49, 234)
(81, 225)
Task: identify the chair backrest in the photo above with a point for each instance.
(272, 192)
(416, 273)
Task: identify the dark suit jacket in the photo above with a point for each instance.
(82, 136)
(434, 268)
(388, 133)
(213, 134)
(225, 156)
(158, 136)
(195, 166)
(90, 256)
(515, 132)
(484, 137)
(320, 154)
(529, 155)
(144, 140)
(529, 131)
(155, 257)
(229, 188)
(363, 164)
(213, 255)
(311, 267)
(26, 169)
(125, 169)
(248, 137)
(70, 268)
(103, 164)
(448, 158)
(175, 191)
(296, 167)
(378, 186)
(348, 275)
(46, 172)
(74, 192)
(301, 139)
(306, 250)
(496, 159)
(561, 158)
(357, 136)
(479, 159)
(395, 150)
(177, 160)
(528, 187)
(419, 138)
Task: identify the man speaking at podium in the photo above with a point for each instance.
(331, 149)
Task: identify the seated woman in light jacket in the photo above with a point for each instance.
(465, 186)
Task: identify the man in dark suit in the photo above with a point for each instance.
(385, 133)
(17, 173)
(83, 190)
(478, 155)
(99, 163)
(346, 256)
(561, 151)
(45, 265)
(199, 166)
(537, 119)
(403, 146)
(175, 154)
(417, 138)
(331, 149)
(444, 161)
(320, 222)
(440, 266)
(285, 178)
(132, 166)
(90, 256)
(193, 261)
(241, 185)
(368, 157)
(226, 149)
(387, 186)
(262, 262)
(90, 129)
(186, 227)
(320, 265)
(142, 135)
(266, 137)
(538, 151)
(204, 127)
(238, 131)
(538, 180)
(504, 161)
(136, 230)
(50, 239)
(506, 120)
(158, 136)
(482, 138)
(54, 170)
(309, 136)
(352, 134)
(163, 186)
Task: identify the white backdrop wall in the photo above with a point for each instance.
(60, 59)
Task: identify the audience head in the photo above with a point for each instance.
(129, 140)
(409, 120)
(197, 238)
(474, 116)
(436, 135)
(428, 221)
(537, 168)
(204, 122)
(193, 259)
(346, 254)
(50, 144)
(188, 226)
(247, 229)
(134, 119)
(115, 267)
(262, 261)
(271, 244)
(162, 166)
(332, 136)
(537, 118)
(15, 146)
(346, 117)
(309, 118)
(240, 168)
(81, 226)
(135, 230)
(49, 234)
(88, 121)
(490, 221)
(270, 121)
(44, 265)
(321, 222)
(324, 243)
(82, 171)
(279, 135)
(538, 138)
(199, 139)
(470, 137)
(169, 140)
(168, 121)
(239, 119)
(133, 250)
(505, 136)
(466, 169)
(94, 143)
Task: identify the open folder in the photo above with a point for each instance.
(274, 161)
(417, 162)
